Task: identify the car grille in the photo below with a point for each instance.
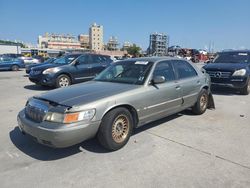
(219, 74)
(34, 113)
(32, 72)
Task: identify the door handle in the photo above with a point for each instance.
(198, 82)
(89, 67)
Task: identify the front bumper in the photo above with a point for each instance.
(233, 82)
(41, 79)
(55, 134)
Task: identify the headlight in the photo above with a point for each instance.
(51, 70)
(70, 117)
(240, 72)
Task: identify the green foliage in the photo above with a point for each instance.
(12, 43)
(134, 50)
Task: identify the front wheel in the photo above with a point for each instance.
(246, 89)
(115, 129)
(202, 103)
(15, 68)
(63, 81)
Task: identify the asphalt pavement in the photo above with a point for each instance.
(183, 150)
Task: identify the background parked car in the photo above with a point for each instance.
(7, 63)
(231, 69)
(28, 67)
(69, 69)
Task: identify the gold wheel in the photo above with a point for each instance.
(203, 102)
(120, 128)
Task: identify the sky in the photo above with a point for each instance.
(218, 24)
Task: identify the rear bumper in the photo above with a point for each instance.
(57, 135)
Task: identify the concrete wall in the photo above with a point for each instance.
(5, 49)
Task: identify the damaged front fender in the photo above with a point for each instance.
(210, 104)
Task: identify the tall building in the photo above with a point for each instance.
(84, 40)
(96, 37)
(58, 41)
(113, 44)
(158, 44)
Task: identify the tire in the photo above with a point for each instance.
(63, 81)
(246, 89)
(14, 67)
(115, 129)
(202, 102)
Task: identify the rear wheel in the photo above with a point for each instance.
(63, 81)
(15, 68)
(115, 129)
(202, 103)
(246, 89)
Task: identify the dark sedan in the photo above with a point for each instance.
(7, 63)
(69, 69)
(231, 69)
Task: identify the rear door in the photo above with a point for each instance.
(5, 63)
(188, 81)
(98, 64)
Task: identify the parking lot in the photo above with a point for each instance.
(183, 150)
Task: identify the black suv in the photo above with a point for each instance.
(69, 69)
(231, 69)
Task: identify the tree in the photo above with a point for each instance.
(134, 50)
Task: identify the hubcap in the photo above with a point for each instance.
(120, 128)
(203, 102)
(63, 82)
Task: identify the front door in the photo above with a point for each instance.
(162, 99)
(82, 70)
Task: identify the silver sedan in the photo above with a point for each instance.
(126, 95)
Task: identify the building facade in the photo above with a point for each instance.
(58, 41)
(84, 41)
(113, 44)
(96, 37)
(158, 44)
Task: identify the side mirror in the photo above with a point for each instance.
(207, 62)
(158, 80)
(76, 63)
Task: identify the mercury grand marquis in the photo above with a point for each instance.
(126, 95)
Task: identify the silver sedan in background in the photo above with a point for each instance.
(126, 95)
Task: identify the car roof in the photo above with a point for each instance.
(154, 58)
(235, 51)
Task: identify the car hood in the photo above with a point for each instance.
(36, 65)
(225, 66)
(85, 93)
(42, 67)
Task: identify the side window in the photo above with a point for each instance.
(184, 69)
(82, 59)
(94, 59)
(165, 69)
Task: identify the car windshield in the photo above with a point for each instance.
(65, 59)
(231, 57)
(129, 72)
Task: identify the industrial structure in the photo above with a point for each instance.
(158, 44)
(96, 37)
